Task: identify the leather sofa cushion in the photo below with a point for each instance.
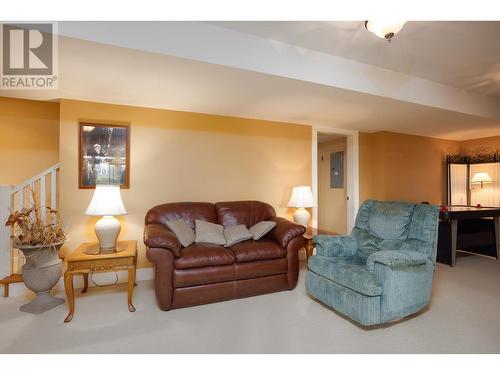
(250, 251)
(260, 268)
(203, 255)
(238, 271)
(203, 275)
(350, 272)
(188, 211)
(247, 213)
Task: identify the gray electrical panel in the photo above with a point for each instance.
(337, 170)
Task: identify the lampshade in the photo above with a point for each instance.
(385, 29)
(106, 201)
(481, 177)
(301, 197)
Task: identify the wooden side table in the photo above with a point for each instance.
(308, 235)
(12, 279)
(81, 262)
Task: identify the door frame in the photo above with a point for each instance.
(352, 164)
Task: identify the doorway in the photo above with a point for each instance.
(332, 190)
(335, 179)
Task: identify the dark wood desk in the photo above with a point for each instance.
(468, 217)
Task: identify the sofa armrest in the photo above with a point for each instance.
(159, 236)
(395, 259)
(285, 231)
(335, 246)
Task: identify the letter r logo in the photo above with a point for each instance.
(27, 49)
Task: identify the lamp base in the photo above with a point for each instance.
(107, 230)
(107, 251)
(302, 216)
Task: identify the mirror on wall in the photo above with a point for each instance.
(457, 194)
(472, 182)
(486, 190)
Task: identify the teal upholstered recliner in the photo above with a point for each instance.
(383, 271)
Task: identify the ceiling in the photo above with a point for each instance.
(125, 76)
(327, 137)
(159, 78)
(462, 54)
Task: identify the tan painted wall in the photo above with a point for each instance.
(29, 138)
(332, 204)
(180, 156)
(203, 157)
(404, 167)
(369, 166)
(480, 145)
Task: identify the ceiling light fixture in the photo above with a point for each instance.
(384, 29)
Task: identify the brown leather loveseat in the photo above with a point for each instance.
(204, 273)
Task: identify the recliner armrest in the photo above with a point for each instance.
(396, 259)
(285, 231)
(159, 236)
(335, 246)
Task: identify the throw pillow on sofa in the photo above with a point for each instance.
(209, 232)
(235, 234)
(262, 228)
(184, 233)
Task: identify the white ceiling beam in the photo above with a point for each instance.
(203, 42)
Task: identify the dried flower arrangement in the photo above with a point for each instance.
(31, 230)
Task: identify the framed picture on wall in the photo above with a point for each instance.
(104, 155)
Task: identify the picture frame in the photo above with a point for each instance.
(104, 155)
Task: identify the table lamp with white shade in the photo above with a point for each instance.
(107, 202)
(301, 199)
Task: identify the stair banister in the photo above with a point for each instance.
(13, 198)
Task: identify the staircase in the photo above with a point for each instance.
(15, 198)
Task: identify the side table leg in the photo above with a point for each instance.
(309, 248)
(135, 273)
(68, 286)
(131, 282)
(85, 282)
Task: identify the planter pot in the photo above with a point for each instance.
(40, 273)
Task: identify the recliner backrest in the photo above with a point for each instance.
(396, 225)
(423, 234)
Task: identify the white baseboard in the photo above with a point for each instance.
(101, 278)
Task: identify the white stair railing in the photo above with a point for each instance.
(18, 197)
(5, 257)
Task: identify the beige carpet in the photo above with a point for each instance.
(464, 317)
